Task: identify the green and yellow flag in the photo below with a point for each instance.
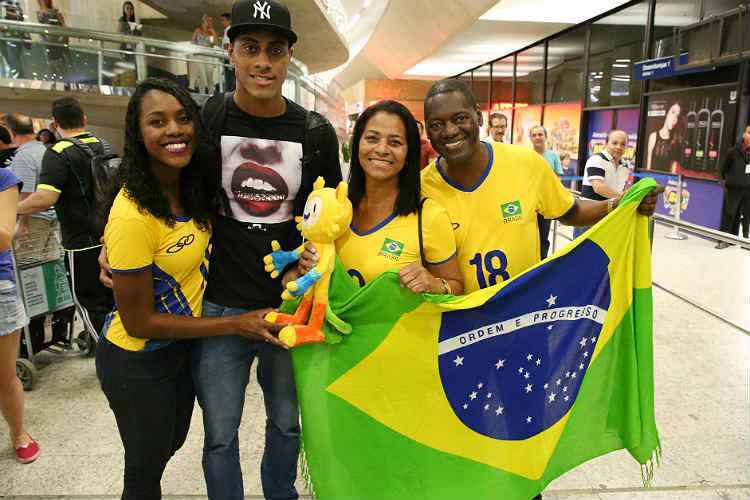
(490, 395)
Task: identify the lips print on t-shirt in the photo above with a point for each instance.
(261, 178)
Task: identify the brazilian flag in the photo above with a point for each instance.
(490, 395)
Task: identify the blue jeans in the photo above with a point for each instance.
(221, 371)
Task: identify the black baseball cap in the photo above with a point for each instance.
(253, 14)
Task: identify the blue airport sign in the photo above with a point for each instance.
(663, 67)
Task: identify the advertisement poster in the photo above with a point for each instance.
(563, 123)
(601, 122)
(524, 119)
(701, 201)
(627, 120)
(689, 132)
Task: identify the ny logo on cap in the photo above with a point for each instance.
(262, 8)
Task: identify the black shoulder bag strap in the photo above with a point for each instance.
(419, 229)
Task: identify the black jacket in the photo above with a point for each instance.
(320, 148)
(733, 168)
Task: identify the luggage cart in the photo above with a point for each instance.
(45, 289)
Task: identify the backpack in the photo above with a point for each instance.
(104, 167)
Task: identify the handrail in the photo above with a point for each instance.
(104, 36)
(702, 231)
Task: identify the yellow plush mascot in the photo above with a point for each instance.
(327, 215)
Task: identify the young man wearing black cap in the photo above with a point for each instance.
(271, 152)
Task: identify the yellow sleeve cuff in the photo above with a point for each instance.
(47, 187)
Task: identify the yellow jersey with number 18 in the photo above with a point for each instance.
(495, 221)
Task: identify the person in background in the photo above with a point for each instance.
(385, 191)
(46, 137)
(538, 136)
(202, 74)
(735, 177)
(13, 49)
(65, 182)
(58, 54)
(605, 175)
(127, 25)
(226, 23)
(7, 147)
(167, 195)
(27, 165)
(567, 169)
(12, 319)
(665, 145)
(498, 125)
(427, 153)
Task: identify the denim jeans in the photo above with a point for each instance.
(221, 371)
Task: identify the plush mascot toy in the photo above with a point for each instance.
(327, 215)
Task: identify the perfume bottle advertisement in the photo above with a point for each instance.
(689, 132)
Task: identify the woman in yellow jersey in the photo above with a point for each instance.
(384, 188)
(157, 240)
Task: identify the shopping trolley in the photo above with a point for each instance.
(46, 292)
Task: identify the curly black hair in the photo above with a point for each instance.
(199, 188)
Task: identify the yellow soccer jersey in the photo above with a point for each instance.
(394, 243)
(496, 221)
(177, 256)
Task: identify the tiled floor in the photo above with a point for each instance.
(702, 402)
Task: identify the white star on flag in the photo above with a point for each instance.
(586, 354)
(546, 386)
(552, 397)
(567, 374)
(558, 381)
(465, 406)
(538, 361)
(526, 375)
(459, 360)
(500, 364)
(489, 395)
(499, 410)
(580, 367)
(486, 407)
(566, 398)
(520, 370)
(528, 420)
(574, 375)
(583, 342)
(529, 387)
(529, 357)
(565, 388)
(593, 339)
(480, 385)
(473, 395)
(550, 327)
(552, 300)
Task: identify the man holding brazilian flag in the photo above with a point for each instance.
(496, 393)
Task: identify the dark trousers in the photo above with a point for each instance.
(90, 293)
(544, 226)
(736, 207)
(151, 394)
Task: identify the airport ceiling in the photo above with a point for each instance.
(421, 39)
